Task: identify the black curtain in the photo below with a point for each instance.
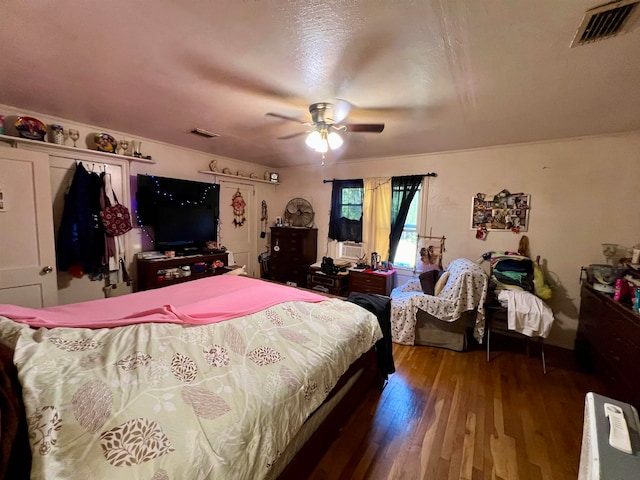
(403, 190)
(341, 228)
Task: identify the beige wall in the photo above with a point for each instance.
(582, 194)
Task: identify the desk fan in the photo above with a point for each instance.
(299, 213)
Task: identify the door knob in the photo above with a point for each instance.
(47, 269)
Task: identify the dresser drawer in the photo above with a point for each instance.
(289, 273)
(621, 354)
(334, 284)
(371, 283)
(287, 243)
(288, 256)
(622, 326)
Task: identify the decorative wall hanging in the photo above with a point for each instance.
(238, 204)
(506, 212)
(430, 250)
(264, 219)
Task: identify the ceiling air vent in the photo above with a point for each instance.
(606, 21)
(204, 133)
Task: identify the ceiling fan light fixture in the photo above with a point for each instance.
(313, 139)
(323, 145)
(321, 141)
(335, 140)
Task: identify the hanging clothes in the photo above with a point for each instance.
(98, 241)
(75, 236)
(113, 246)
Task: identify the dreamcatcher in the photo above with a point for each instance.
(238, 204)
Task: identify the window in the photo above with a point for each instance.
(345, 223)
(407, 247)
(403, 224)
(351, 203)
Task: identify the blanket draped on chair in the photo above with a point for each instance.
(466, 289)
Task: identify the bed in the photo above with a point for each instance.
(441, 320)
(223, 377)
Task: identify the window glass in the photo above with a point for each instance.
(351, 203)
(406, 253)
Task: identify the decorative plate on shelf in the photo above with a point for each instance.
(31, 128)
(105, 143)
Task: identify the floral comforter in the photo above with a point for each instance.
(164, 401)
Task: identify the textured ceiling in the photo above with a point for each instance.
(441, 74)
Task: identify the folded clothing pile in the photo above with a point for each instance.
(512, 272)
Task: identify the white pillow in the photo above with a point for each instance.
(442, 281)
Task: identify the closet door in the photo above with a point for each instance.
(62, 167)
(27, 251)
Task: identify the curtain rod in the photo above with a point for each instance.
(430, 174)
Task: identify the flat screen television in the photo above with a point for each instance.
(182, 213)
(184, 228)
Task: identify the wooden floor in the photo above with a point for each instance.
(450, 415)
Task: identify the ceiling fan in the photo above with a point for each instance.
(323, 132)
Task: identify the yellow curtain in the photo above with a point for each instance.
(376, 216)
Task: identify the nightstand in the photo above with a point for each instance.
(333, 284)
(368, 281)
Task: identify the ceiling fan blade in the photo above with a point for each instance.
(285, 117)
(364, 127)
(293, 135)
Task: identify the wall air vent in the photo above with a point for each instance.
(204, 133)
(607, 21)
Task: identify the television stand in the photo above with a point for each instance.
(162, 272)
(188, 251)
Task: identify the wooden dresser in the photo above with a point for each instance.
(364, 282)
(608, 344)
(292, 251)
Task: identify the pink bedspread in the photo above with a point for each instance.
(208, 300)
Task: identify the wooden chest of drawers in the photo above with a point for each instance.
(608, 343)
(371, 283)
(292, 251)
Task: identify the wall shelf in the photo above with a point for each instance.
(45, 146)
(237, 177)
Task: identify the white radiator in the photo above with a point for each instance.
(598, 459)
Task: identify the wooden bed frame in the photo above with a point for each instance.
(313, 450)
(15, 453)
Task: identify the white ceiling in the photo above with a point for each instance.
(441, 74)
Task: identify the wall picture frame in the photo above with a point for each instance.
(505, 211)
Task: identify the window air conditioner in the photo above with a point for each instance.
(350, 250)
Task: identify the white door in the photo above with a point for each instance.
(27, 249)
(239, 237)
